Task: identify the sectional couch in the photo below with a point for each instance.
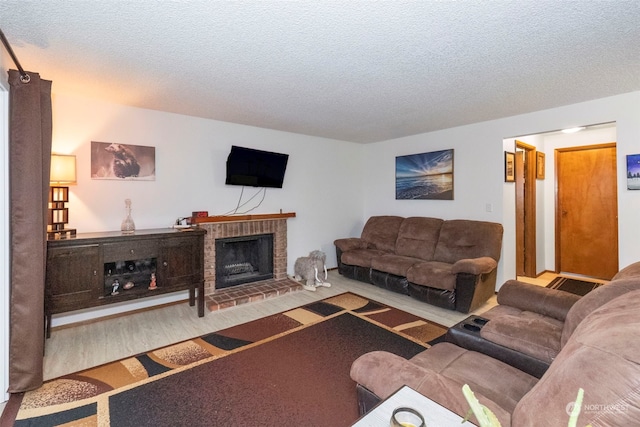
(447, 263)
(598, 351)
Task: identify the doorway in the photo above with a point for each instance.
(587, 211)
(538, 243)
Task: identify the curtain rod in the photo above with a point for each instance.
(24, 77)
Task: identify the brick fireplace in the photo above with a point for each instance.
(240, 226)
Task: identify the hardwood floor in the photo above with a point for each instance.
(79, 347)
(74, 348)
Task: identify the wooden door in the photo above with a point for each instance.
(525, 209)
(587, 211)
(520, 214)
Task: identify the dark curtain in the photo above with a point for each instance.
(29, 162)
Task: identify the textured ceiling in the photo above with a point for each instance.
(359, 71)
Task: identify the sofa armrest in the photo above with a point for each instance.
(383, 373)
(482, 265)
(528, 297)
(350, 243)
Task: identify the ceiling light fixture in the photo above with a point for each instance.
(573, 130)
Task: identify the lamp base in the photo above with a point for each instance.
(61, 234)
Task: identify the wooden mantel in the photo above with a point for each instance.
(254, 217)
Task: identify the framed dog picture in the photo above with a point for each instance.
(122, 161)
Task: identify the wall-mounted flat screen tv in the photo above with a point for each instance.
(255, 168)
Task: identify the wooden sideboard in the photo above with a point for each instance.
(95, 269)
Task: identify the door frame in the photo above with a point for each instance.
(528, 209)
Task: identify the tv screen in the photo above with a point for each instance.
(255, 168)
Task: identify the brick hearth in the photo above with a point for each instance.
(255, 291)
(250, 292)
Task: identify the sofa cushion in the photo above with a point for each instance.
(460, 239)
(418, 237)
(503, 384)
(381, 232)
(594, 299)
(393, 264)
(632, 270)
(360, 257)
(383, 373)
(432, 274)
(532, 335)
(603, 358)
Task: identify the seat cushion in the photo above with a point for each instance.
(393, 264)
(502, 383)
(432, 274)
(532, 335)
(383, 373)
(361, 257)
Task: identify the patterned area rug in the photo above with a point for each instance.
(575, 286)
(290, 368)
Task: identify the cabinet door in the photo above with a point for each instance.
(181, 261)
(73, 278)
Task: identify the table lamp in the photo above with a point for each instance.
(63, 174)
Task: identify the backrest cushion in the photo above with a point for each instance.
(381, 232)
(461, 239)
(603, 358)
(632, 270)
(594, 299)
(418, 237)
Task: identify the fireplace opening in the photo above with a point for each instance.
(245, 259)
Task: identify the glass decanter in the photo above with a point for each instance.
(128, 226)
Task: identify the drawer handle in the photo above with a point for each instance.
(132, 251)
(95, 272)
(165, 263)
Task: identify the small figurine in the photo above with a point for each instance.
(114, 287)
(306, 271)
(128, 285)
(153, 285)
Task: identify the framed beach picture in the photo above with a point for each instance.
(633, 172)
(122, 161)
(425, 176)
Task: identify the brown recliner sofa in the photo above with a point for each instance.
(530, 324)
(447, 263)
(601, 356)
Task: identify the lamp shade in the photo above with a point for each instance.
(63, 169)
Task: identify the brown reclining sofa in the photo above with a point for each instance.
(447, 263)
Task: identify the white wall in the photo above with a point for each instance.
(322, 185)
(479, 170)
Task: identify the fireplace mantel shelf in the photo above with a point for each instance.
(254, 217)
